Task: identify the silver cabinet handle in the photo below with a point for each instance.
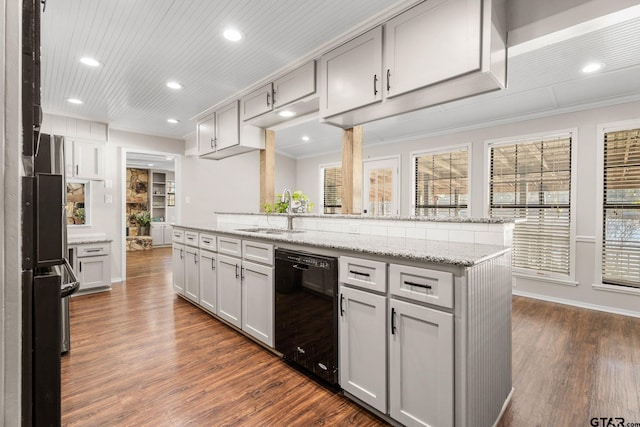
(195, 258)
(213, 264)
(375, 84)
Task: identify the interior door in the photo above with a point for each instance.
(381, 189)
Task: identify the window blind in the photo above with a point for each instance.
(332, 184)
(441, 183)
(531, 181)
(621, 209)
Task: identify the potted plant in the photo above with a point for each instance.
(143, 219)
(299, 204)
(79, 216)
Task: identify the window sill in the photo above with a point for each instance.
(547, 279)
(617, 289)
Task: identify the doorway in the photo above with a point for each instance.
(150, 207)
(381, 186)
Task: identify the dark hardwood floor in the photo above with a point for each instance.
(143, 356)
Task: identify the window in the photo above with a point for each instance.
(621, 208)
(531, 180)
(380, 186)
(332, 189)
(77, 202)
(442, 183)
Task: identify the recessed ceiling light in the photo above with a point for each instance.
(174, 85)
(592, 67)
(149, 164)
(168, 158)
(74, 101)
(173, 121)
(91, 62)
(305, 138)
(286, 113)
(232, 34)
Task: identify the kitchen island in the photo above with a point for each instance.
(424, 323)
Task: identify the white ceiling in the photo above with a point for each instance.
(145, 43)
(150, 161)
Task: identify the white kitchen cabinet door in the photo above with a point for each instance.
(295, 85)
(257, 301)
(94, 272)
(258, 102)
(167, 231)
(206, 135)
(177, 264)
(227, 126)
(363, 346)
(88, 160)
(434, 41)
(420, 365)
(208, 288)
(351, 75)
(191, 276)
(157, 234)
(229, 290)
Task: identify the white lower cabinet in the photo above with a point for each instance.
(363, 344)
(229, 290)
(257, 301)
(421, 361)
(208, 280)
(177, 264)
(191, 274)
(94, 272)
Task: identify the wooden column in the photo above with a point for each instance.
(352, 170)
(267, 168)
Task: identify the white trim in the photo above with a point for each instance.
(441, 150)
(321, 169)
(586, 239)
(504, 407)
(601, 130)
(563, 301)
(88, 211)
(397, 190)
(617, 289)
(573, 134)
(548, 279)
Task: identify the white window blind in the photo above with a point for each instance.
(441, 183)
(531, 181)
(621, 209)
(332, 185)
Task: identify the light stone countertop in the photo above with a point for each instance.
(434, 251)
(473, 220)
(87, 241)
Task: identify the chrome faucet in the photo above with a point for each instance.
(289, 216)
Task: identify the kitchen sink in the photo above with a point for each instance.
(270, 230)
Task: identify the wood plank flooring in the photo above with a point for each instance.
(142, 356)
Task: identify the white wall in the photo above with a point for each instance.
(10, 283)
(285, 174)
(584, 208)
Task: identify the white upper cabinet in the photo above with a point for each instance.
(258, 102)
(437, 51)
(350, 75)
(227, 126)
(87, 160)
(222, 135)
(434, 41)
(296, 85)
(206, 135)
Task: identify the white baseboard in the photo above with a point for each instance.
(116, 280)
(604, 308)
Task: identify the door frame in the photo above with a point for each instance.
(396, 187)
(123, 200)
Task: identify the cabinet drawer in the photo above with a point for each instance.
(422, 284)
(191, 238)
(178, 235)
(229, 246)
(258, 252)
(207, 241)
(93, 250)
(363, 273)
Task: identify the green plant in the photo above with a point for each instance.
(281, 207)
(143, 218)
(80, 214)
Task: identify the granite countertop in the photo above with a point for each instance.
(385, 218)
(440, 252)
(87, 241)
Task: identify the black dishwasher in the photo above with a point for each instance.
(306, 311)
